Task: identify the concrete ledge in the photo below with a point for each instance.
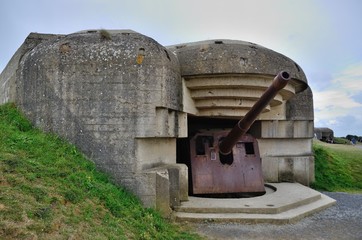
(163, 187)
(289, 203)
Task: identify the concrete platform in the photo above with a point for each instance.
(283, 203)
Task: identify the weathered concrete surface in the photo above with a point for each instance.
(225, 77)
(107, 94)
(222, 56)
(8, 75)
(300, 107)
(288, 203)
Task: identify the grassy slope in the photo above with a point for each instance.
(338, 167)
(48, 190)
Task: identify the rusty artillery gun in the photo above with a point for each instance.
(228, 162)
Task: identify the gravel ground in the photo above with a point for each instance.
(342, 221)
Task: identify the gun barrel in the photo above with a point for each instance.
(279, 82)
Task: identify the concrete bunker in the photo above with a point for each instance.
(132, 105)
(324, 134)
(222, 81)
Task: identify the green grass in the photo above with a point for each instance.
(49, 190)
(341, 141)
(338, 167)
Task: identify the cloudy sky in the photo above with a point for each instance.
(323, 36)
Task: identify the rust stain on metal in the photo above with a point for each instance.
(241, 173)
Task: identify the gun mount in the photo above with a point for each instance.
(224, 162)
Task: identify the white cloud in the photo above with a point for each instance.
(333, 122)
(334, 99)
(343, 88)
(350, 79)
(341, 99)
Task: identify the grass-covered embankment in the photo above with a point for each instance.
(338, 167)
(49, 190)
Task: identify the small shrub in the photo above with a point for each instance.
(43, 213)
(72, 196)
(9, 114)
(105, 35)
(341, 141)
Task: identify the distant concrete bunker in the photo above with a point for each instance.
(133, 106)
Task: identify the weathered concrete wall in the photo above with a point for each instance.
(225, 56)
(112, 96)
(8, 75)
(300, 107)
(294, 162)
(224, 78)
(286, 145)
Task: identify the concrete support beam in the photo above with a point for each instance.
(289, 169)
(163, 187)
(287, 129)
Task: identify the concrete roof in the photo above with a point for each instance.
(224, 56)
